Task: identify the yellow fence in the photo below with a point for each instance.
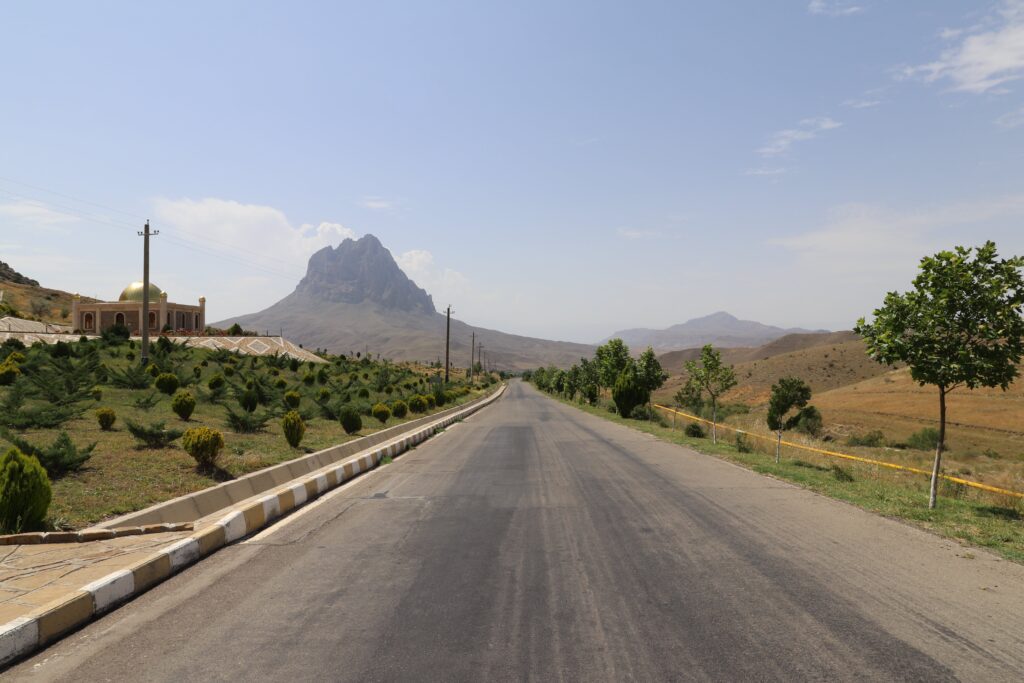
(846, 456)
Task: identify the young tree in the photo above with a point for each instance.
(709, 376)
(961, 325)
(789, 393)
(628, 392)
(590, 380)
(649, 372)
(611, 358)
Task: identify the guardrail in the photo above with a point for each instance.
(847, 456)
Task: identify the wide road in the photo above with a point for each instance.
(535, 542)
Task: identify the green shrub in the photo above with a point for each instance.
(350, 420)
(363, 393)
(204, 445)
(152, 370)
(97, 394)
(197, 372)
(292, 399)
(216, 382)
(281, 383)
(808, 421)
(246, 422)
(24, 492)
(399, 409)
(248, 400)
(106, 417)
(167, 382)
(59, 458)
(308, 379)
(873, 439)
(840, 474)
(321, 376)
(382, 413)
(694, 430)
(131, 377)
(183, 404)
(323, 395)
(293, 365)
(229, 370)
(926, 440)
(9, 372)
(418, 404)
(153, 435)
(440, 397)
(148, 401)
(129, 355)
(742, 445)
(294, 428)
(431, 402)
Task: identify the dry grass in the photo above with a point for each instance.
(56, 302)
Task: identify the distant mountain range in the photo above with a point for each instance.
(718, 329)
(355, 298)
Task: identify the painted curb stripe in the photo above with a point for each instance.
(111, 589)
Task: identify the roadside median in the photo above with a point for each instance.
(59, 587)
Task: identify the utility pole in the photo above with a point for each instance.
(145, 235)
(447, 340)
(472, 357)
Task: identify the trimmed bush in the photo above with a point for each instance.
(204, 445)
(292, 399)
(294, 428)
(229, 370)
(154, 435)
(248, 400)
(167, 383)
(351, 420)
(216, 382)
(321, 376)
(106, 417)
(323, 395)
(382, 413)
(308, 379)
(152, 370)
(364, 393)
(293, 365)
(24, 492)
(418, 404)
(9, 372)
(281, 383)
(399, 409)
(183, 404)
(694, 430)
(431, 403)
(97, 394)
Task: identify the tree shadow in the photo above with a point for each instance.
(1011, 514)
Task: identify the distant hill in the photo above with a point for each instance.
(8, 274)
(355, 298)
(719, 329)
(825, 361)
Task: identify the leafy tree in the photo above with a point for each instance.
(709, 376)
(628, 392)
(649, 372)
(960, 326)
(590, 380)
(787, 394)
(611, 359)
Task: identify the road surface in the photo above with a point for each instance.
(535, 542)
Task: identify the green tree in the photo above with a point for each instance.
(960, 326)
(611, 358)
(709, 376)
(628, 392)
(787, 394)
(590, 380)
(650, 373)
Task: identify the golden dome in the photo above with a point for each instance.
(133, 292)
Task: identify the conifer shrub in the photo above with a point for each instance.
(308, 379)
(281, 383)
(106, 417)
(216, 382)
(364, 393)
(59, 458)
(97, 394)
(204, 445)
(323, 395)
(292, 399)
(153, 435)
(152, 370)
(431, 401)
(321, 376)
(24, 492)
(351, 420)
(694, 430)
(183, 403)
(129, 355)
(382, 413)
(197, 372)
(131, 377)
(440, 398)
(248, 400)
(246, 422)
(148, 401)
(628, 392)
(399, 409)
(418, 404)
(293, 365)
(229, 370)
(167, 383)
(294, 428)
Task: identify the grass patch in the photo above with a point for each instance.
(975, 517)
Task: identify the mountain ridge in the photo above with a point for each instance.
(720, 329)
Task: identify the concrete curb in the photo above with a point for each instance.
(47, 624)
(86, 535)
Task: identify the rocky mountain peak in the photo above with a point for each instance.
(11, 275)
(363, 270)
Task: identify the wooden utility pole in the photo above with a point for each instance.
(472, 357)
(144, 323)
(447, 340)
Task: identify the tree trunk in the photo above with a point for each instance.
(933, 493)
(778, 446)
(714, 420)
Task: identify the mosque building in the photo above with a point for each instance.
(94, 318)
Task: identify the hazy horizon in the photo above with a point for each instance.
(554, 171)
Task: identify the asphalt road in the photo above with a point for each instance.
(535, 542)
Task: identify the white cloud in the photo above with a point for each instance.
(1011, 119)
(634, 234)
(862, 103)
(989, 55)
(808, 129)
(376, 203)
(833, 8)
(249, 232)
(444, 284)
(33, 214)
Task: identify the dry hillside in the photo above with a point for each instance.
(37, 303)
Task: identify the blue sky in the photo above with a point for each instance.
(559, 169)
